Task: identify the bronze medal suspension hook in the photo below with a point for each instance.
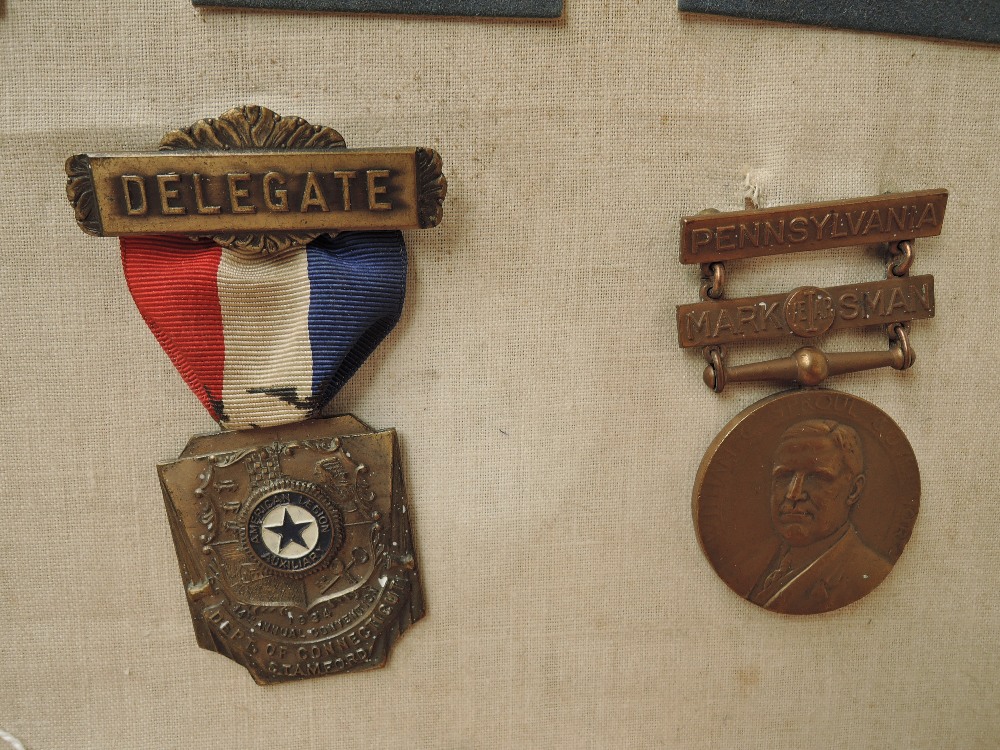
(806, 499)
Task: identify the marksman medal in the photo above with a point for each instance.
(805, 500)
(267, 260)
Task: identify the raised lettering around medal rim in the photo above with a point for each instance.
(805, 312)
(804, 501)
(712, 237)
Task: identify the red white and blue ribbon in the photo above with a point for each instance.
(265, 340)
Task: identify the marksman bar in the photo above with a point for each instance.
(711, 237)
(204, 192)
(805, 312)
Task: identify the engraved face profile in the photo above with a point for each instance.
(805, 500)
(817, 479)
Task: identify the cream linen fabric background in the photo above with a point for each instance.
(551, 428)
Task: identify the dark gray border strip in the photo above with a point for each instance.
(965, 20)
(482, 8)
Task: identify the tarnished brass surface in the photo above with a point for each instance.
(809, 366)
(255, 191)
(294, 546)
(252, 179)
(804, 502)
(713, 236)
(805, 312)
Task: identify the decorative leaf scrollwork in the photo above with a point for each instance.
(223, 460)
(251, 128)
(80, 191)
(324, 445)
(255, 128)
(431, 187)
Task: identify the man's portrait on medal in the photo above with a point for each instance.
(817, 482)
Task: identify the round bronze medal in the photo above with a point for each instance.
(805, 500)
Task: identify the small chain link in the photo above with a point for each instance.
(901, 256)
(899, 338)
(713, 280)
(715, 373)
(900, 259)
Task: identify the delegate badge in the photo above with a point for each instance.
(295, 546)
(267, 260)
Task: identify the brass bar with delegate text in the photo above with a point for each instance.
(712, 236)
(212, 192)
(805, 312)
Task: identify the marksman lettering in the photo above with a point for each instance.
(806, 312)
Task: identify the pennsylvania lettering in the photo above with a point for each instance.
(745, 234)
